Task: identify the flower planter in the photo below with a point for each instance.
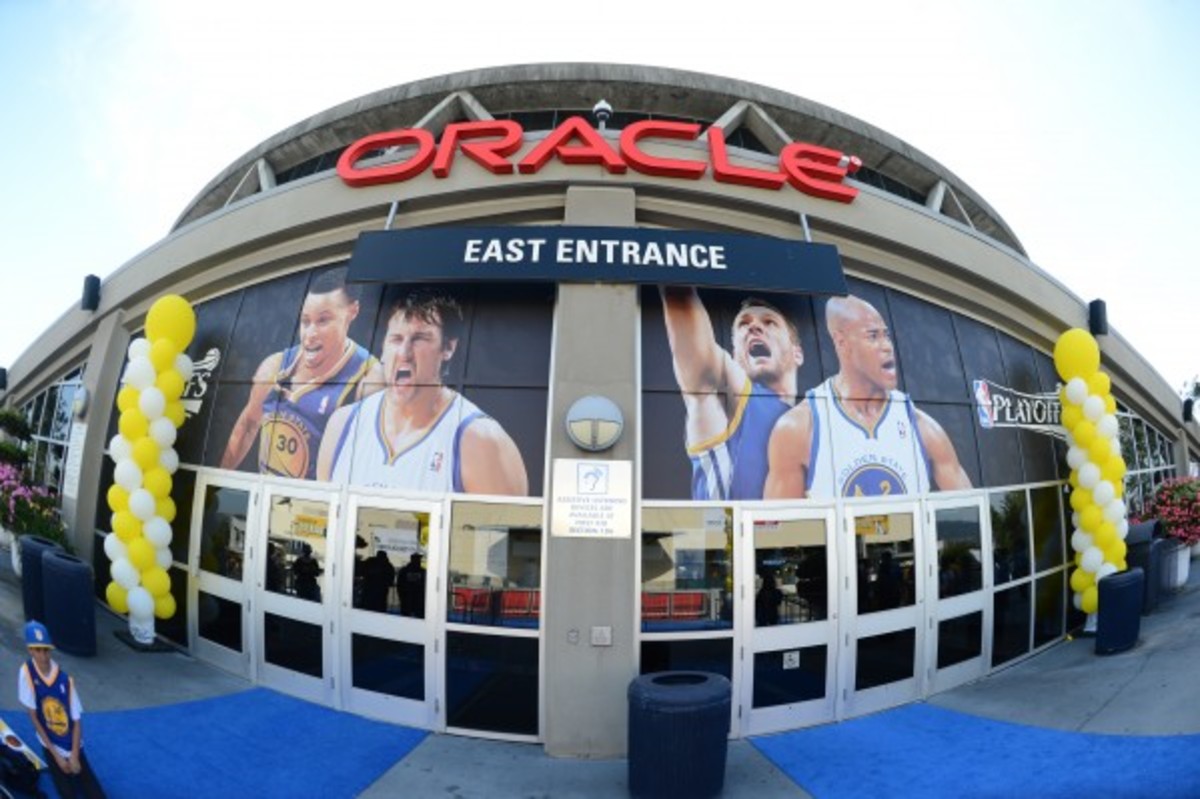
(1177, 560)
(14, 550)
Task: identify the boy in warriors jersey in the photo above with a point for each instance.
(417, 433)
(296, 391)
(732, 400)
(855, 434)
(54, 707)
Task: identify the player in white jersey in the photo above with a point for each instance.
(854, 434)
(417, 433)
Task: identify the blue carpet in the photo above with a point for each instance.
(254, 743)
(926, 751)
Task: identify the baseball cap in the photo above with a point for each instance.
(36, 634)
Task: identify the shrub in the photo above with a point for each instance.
(28, 510)
(12, 454)
(13, 422)
(1177, 504)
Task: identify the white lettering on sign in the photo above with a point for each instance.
(618, 252)
(592, 499)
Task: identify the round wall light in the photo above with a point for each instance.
(594, 423)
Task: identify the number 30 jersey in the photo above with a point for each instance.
(294, 416)
(850, 460)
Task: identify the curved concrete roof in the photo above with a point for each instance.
(530, 87)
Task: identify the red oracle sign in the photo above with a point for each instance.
(808, 168)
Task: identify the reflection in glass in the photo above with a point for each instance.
(885, 658)
(789, 676)
(223, 531)
(959, 551)
(887, 574)
(704, 654)
(389, 561)
(220, 620)
(182, 491)
(492, 683)
(495, 565)
(293, 644)
(1010, 536)
(388, 667)
(295, 562)
(1010, 623)
(790, 572)
(1125, 434)
(960, 639)
(687, 569)
(1047, 527)
(1049, 608)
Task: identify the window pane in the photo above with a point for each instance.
(1048, 616)
(1010, 536)
(492, 683)
(687, 569)
(295, 562)
(789, 676)
(960, 639)
(707, 654)
(389, 561)
(1047, 527)
(292, 644)
(959, 549)
(1010, 633)
(220, 621)
(388, 667)
(792, 582)
(886, 567)
(495, 565)
(223, 531)
(884, 659)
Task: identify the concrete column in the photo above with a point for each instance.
(100, 379)
(591, 583)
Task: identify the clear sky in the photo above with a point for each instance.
(1076, 121)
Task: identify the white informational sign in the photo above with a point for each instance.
(74, 465)
(592, 499)
(402, 540)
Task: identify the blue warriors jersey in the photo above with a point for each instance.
(849, 459)
(294, 417)
(733, 465)
(52, 700)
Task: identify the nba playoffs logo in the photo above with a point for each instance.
(998, 406)
(197, 387)
(983, 405)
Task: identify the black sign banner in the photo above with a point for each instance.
(597, 255)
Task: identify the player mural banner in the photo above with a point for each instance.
(597, 254)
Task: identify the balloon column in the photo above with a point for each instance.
(139, 545)
(1097, 468)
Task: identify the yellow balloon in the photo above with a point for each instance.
(118, 498)
(164, 606)
(133, 424)
(1110, 404)
(1099, 384)
(1090, 518)
(1071, 416)
(1116, 551)
(127, 398)
(1080, 499)
(1084, 432)
(1119, 489)
(176, 413)
(1090, 599)
(1099, 450)
(158, 482)
(165, 508)
(1080, 580)
(126, 526)
(170, 383)
(145, 453)
(140, 553)
(1076, 354)
(162, 354)
(171, 317)
(1105, 534)
(1113, 469)
(1073, 478)
(117, 597)
(1078, 559)
(1121, 565)
(156, 581)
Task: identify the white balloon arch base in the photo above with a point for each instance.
(142, 630)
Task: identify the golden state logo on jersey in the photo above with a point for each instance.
(871, 478)
(55, 715)
(283, 448)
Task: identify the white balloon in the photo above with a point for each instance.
(152, 403)
(164, 557)
(1123, 528)
(1115, 510)
(1103, 493)
(1077, 601)
(1081, 541)
(120, 448)
(128, 475)
(141, 604)
(140, 373)
(1089, 475)
(1107, 427)
(139, 348)
(114, 548)
(1075, 519)
(141, 504)
(168, 459)
(124, 574)
(163, 431)
(1105, 570)
(1093, 407)
(1076, 457)
(1077, 390)
(157, 532)
(1092, 560)
(184, 365)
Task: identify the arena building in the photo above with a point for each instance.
(513, 384)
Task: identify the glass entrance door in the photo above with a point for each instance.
(881, 605)
(225, 521)
(388, 608)
(295, 573)
(789, 606)
(959, 544)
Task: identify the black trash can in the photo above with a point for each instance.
(32, 547)
(70, 603)
(678, 734)
(1119, 619)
